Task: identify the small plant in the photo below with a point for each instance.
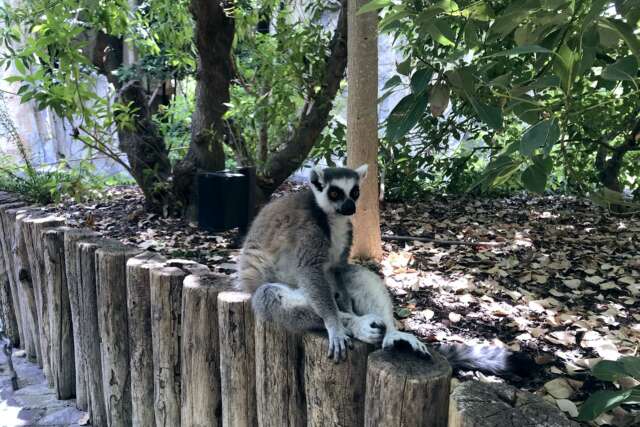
(605, 400)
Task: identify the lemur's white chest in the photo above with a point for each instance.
(340, 237)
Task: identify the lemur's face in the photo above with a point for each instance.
(337, 189)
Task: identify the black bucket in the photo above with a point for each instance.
(226, 199)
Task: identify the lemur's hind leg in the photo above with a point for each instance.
(371, 298)
(287, 306)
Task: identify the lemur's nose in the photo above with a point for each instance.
(347, 208)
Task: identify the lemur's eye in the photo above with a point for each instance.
(333, 194)
(355, 193)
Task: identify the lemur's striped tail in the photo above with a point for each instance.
(487, 358)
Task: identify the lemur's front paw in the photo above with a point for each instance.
(368, 328)
(338, 343)
(397, 338)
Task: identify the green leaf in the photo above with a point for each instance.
(404, 67)
(392, 82)
(631, 366)
(521, 50)
(373, 6)
(420, 80)
(405, 115)
(533, 179)
(609, 370)
(602, 401)
(437, 31)
(623, 69)
(489, 114)
(625, 31)
(545, 133)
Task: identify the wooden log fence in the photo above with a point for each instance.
(139, 340)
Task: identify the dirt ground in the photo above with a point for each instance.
(555, 277)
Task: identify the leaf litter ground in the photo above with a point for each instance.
(560, 279)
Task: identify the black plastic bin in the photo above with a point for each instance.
(226, 199)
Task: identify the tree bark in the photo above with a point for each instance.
(10, 311)
(335, 391)
(405, 389)
(145, 148)
(314, 118)
(214, 32)
(110, 268)
(72, 270)
(62, 356)
(200, 350)
(362, 126)
(237, 360)
(140, 342)
(280, 397)
(609, 169)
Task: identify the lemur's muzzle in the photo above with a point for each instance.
(347, 208)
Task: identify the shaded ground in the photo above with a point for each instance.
(33, 404)
(559, 280)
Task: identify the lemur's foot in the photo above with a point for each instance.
(397, 339)
(368, 328)
(339, 342)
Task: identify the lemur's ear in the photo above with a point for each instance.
(317, 177)
(362, 171)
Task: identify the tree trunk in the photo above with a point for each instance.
(111, 293)
(314, 118)
(609, 169)
(404, 389)
(280, 397)
(237, 359)
(362, 126)
(335, 391)
(200, 350)
(146, 152)
(140, 342)
(62, 354)
(214, 33)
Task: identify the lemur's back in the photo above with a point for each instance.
(274, 236)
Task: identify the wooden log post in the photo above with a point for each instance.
(32, 232)
(72, 270)
(10, 311)
(62, 356)
(334, 391)
(237, 359)
(24, 278)
(111, 298)
(166, 301)
(140, 342)
(280, 398)
(90, 332)
(200, 350)
(406, 389)
(6, 242)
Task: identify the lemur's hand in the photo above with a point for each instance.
(368, 328)
(338, 343)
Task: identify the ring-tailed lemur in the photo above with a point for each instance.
(295, 262)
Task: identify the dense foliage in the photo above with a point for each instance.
(538, 93)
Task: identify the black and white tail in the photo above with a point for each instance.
(489, 359)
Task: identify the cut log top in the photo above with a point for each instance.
(46, 219)
(146, 260)
(209, 280)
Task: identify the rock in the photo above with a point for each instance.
(500, 405)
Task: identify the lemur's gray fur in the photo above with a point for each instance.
(295, 263)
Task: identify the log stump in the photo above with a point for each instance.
(237, 359)
(405, 389)
(166, 303)
(32, 231)
(111, 298)
(24, 278)
(334, 391)
(62, 356)
(476, 404)
(6, 244)
(10, 310)
(72, 270)
(90, 332)
(140, 342)
(200, 358)
(280, 397)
